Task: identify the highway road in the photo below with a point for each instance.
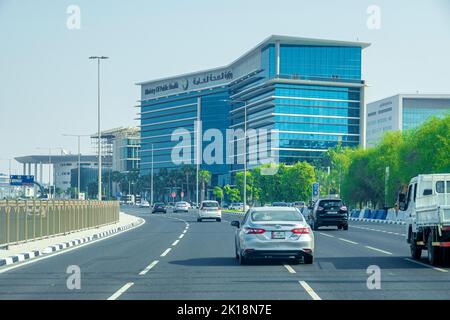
(175, 257)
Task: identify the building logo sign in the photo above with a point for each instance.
(185, 83)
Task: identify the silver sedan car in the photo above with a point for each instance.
(274, 232)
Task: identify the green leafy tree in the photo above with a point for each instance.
(218, 193)
(233, 194)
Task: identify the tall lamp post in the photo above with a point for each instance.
(78, 136)
(245, 147)
(98, 58)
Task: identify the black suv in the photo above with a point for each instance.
(328, 212)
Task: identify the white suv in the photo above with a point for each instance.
(209, 210)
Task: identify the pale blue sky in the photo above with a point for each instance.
(48, 85)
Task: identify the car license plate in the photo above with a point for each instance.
(278, 235)
(332, 212)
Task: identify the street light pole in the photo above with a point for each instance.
(98, 58)
(151, 181)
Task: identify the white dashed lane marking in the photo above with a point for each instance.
(289, 268)
(151, 265)
(166, 252)
(121, 291)
(309, 290)
(175, 242)
(379, 250)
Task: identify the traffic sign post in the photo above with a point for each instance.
(182, 195)
(173, 195)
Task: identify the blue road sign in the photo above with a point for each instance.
(18, 180)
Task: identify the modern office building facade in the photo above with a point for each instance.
(307, 92)
(121, 145)
(403, 112)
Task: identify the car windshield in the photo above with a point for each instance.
(330, 204)
(293, 215)
(210, 204)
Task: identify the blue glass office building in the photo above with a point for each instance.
(308, 91)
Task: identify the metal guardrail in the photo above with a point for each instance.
(22, 221)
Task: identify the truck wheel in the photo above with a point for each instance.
(346, 227)
(416, 251)
(433, 252)
(242, 260)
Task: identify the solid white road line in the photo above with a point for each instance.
(309, 290)
(379, 250)
(327, 235)
(121, 291)
(181, 237)
(349, 241)
(150, 266)
(57, 253)
(166, 252)
(175, 242)
(425, 265)
(289, 268)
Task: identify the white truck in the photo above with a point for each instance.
(426, 204)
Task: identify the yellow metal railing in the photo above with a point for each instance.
(22, 221)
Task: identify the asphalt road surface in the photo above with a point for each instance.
(172, 256)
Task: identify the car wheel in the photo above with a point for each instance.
(345, 227)
(315, 227)
(416, 251)
(308, 259)
(242, 260)
(219, 220)
(339, 227)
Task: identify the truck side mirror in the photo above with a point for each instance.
(402, 201)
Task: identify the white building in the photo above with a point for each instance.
(402, 112)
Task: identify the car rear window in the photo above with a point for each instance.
(279, 204)
(330, 204)
(277, 216)
(210, 204)
(159, 204)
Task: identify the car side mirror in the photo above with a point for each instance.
(236, 224)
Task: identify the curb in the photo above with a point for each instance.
(378, 221)
(59, 246)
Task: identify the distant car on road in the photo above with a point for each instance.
(181, 206)
(209, 209)
(299, 204)
(159, 207)
(274, 232)
(143, 204)
(280, 204)
(328, 212)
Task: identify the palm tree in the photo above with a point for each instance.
(204, 177)
(188, 171)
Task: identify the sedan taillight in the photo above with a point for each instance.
(254, 230)
(300, 231)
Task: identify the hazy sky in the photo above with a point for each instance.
(48, 85)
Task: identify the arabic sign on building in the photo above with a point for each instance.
(193, 82)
